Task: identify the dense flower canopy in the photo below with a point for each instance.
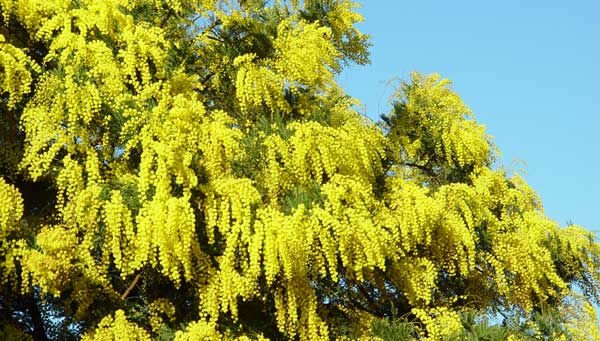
(192, 170)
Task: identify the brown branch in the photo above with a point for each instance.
(420, 167)
(215, 38)
(131, 286)
(38, 332)
(428, 171)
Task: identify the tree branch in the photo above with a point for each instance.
(131, 286)
(425, 169)
(38, 332)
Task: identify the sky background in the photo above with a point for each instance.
(529, 70)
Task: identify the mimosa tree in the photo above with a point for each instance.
(192, 170)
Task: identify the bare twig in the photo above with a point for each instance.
(131, 286)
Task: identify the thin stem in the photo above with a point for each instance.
(131, 286)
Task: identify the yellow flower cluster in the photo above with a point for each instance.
(462, 214)
(278, 243)
(354, 227)
(413, 213)
(275, 178)
(178, 130)
(11, 211)
(228, 211)
(199, 330)
(94, 74)
(439, 322)
(168, 143)
(418, 219)
(346, 222)
(523, 254)
(165, 236)
(582, 319)
(145, 46)
(343, 16)
(297, 312)
(417, 276)
(316, 152)
(206, 331)
(158, 309)
(11, 208)
(444, 224)
(436, 113)
(42, 122)
(349, 149)
(257, 84)
(116, 328)
(120, 233)
(52, 266)
(17, 69)
(520, 263)
(582, 249)
(220, 145)
(304, 56)
(110, 66)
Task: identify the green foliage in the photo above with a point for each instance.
(394, 330)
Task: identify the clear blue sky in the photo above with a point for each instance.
(530, 70)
